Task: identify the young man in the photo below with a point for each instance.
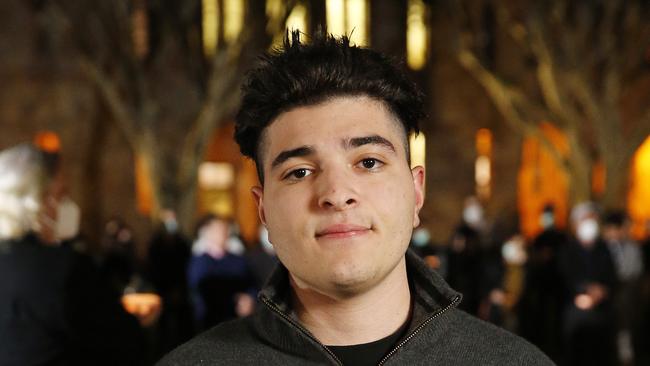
(327, 125)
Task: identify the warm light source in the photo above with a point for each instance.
(233, 12)
(335, 13)
(483, 164)
(541, 181)
(638, 200)
(348, 17)
(140, 28)
(214, 175)
(210, 26)
(416, 34)
(143, 185)
(418, 149)
(297, 19)
(47, 141)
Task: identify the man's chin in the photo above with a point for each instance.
(352, 283)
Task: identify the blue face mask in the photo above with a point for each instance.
(547, 220)
(171, 226)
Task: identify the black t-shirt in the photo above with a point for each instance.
(368, 353)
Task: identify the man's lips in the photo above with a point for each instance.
(342, 231)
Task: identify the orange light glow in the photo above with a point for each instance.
(48, 141)
(598, 178)
(483, 164)
(140, 303)
(638, 200)
(541, 181)
(143, 186)
(484, 142)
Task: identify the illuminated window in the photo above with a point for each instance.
(416, 34)
(483, 164)
(297, 19)
(140, 28)
(221, 19)
(216, 180)
(348, 17)
(143, 185)
(638, 202)
(417, 145)
(233, 11)
(210, 26)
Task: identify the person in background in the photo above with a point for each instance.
(221, 284)
(117, 259)
(423, 246)
(589, 278)
(628, 262)
(261, 258)
(464, 256)
(168, 258)
(540, 309)
(55, 308)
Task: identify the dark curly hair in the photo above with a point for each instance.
(302, 74)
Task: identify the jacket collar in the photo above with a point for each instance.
(278, 324)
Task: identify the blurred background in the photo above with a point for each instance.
(534, 107)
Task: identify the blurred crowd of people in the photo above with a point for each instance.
(199, 283)
(582, 295)
(61, 304)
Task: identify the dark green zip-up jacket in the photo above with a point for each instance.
(438, 334)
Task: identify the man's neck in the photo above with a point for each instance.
(364, 318)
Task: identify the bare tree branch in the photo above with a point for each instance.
(505, 99)
(122, 114)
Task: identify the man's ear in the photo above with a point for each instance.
(418, 185)
(258, 196)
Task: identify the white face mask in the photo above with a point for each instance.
(67, 220)
(514, 253)
(473, 215)
(587, 231)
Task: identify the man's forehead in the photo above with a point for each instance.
(365, 127)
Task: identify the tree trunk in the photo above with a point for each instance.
(580, 165)
(149, 155)
(617, 172)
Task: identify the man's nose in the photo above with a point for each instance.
(336, 190)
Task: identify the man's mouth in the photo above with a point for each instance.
(342, 231)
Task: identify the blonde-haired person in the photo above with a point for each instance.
(23, 180)
(54, 308)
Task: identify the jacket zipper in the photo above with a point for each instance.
(417, 330)
(271, 306)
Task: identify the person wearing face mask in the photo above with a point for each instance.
(55, 308)
(540, 308)
(589, 278)
(464, 255)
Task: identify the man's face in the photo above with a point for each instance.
(339, 199)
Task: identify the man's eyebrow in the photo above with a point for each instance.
(288, 154)
(373, 139)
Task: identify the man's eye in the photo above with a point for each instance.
(298, 174)
(371, 163)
